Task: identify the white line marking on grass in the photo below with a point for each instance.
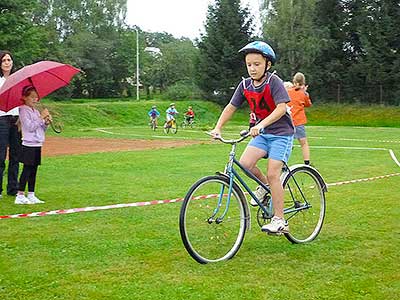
(355, 140)
(362, 140)
(394, 157)
(104, 131)
(344, 147)
(171, 136)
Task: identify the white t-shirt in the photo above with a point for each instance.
(14, 111)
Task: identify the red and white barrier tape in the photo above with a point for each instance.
(362, 179)
(153, 202)
(95, 208)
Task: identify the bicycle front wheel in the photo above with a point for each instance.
(174, 127)
(304, 204)
(166, 128)
(210, 230)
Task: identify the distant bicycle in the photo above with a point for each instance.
(188, 123)
(153, 124)
(170, 126)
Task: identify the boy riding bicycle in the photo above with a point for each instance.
(189, 115)
(171, 112)
(154, 114)
(273, 131)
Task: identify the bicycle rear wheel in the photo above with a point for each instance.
(210, 237)
(304, 204)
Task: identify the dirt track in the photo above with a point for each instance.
(54, 146)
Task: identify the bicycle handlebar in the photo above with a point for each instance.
(244, 135)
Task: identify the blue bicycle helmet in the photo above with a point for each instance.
(260, 47)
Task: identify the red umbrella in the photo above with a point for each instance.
(45, 76)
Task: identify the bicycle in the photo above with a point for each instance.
(153, 124)
(187, 123)
(170, 126)
(215, 215)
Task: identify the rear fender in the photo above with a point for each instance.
(313, 170)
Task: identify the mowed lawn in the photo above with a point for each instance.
(136, 253)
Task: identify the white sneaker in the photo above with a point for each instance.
(21, 199)
(260, 192)
(277, 225)
(34, 200)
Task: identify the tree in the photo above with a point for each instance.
(228, 28)
(328, 71)
(25, 40)
(289, 28)
(177, 61)
(372, 46)
(167, 61)
(89, 34)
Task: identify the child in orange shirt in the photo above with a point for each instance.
(299, 99)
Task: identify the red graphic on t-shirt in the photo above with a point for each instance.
(261, 103)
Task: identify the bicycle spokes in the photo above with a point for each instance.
(304, 205)
(208, 229)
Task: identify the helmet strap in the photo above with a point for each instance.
(267, 67)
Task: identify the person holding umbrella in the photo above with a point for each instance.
(25, 88)
(9, 135)
(33, 127)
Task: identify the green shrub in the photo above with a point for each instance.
(183, 90)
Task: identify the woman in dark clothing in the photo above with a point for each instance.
(9, 134)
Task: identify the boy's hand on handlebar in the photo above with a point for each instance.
(215, 133)
(255, 130)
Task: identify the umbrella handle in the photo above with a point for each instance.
(54, 123)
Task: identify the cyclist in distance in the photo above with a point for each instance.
(273, 130)
(154, 114)
(189, 115)
(171, 113)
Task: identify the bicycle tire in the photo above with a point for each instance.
(302, 185)
(174, 127)
(183, 125)
(166, 129)
(213, 242)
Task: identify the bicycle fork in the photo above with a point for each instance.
(228, 171)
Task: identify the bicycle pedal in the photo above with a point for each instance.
(280, 233)
(275, 233)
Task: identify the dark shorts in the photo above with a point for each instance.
(31, 156)
(300, 132)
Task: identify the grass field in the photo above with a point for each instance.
(136, 253)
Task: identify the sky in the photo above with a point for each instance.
(177, 17)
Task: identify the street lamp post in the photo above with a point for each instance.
(137, 64)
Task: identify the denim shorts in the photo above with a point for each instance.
(300, 132)
(278, 147)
